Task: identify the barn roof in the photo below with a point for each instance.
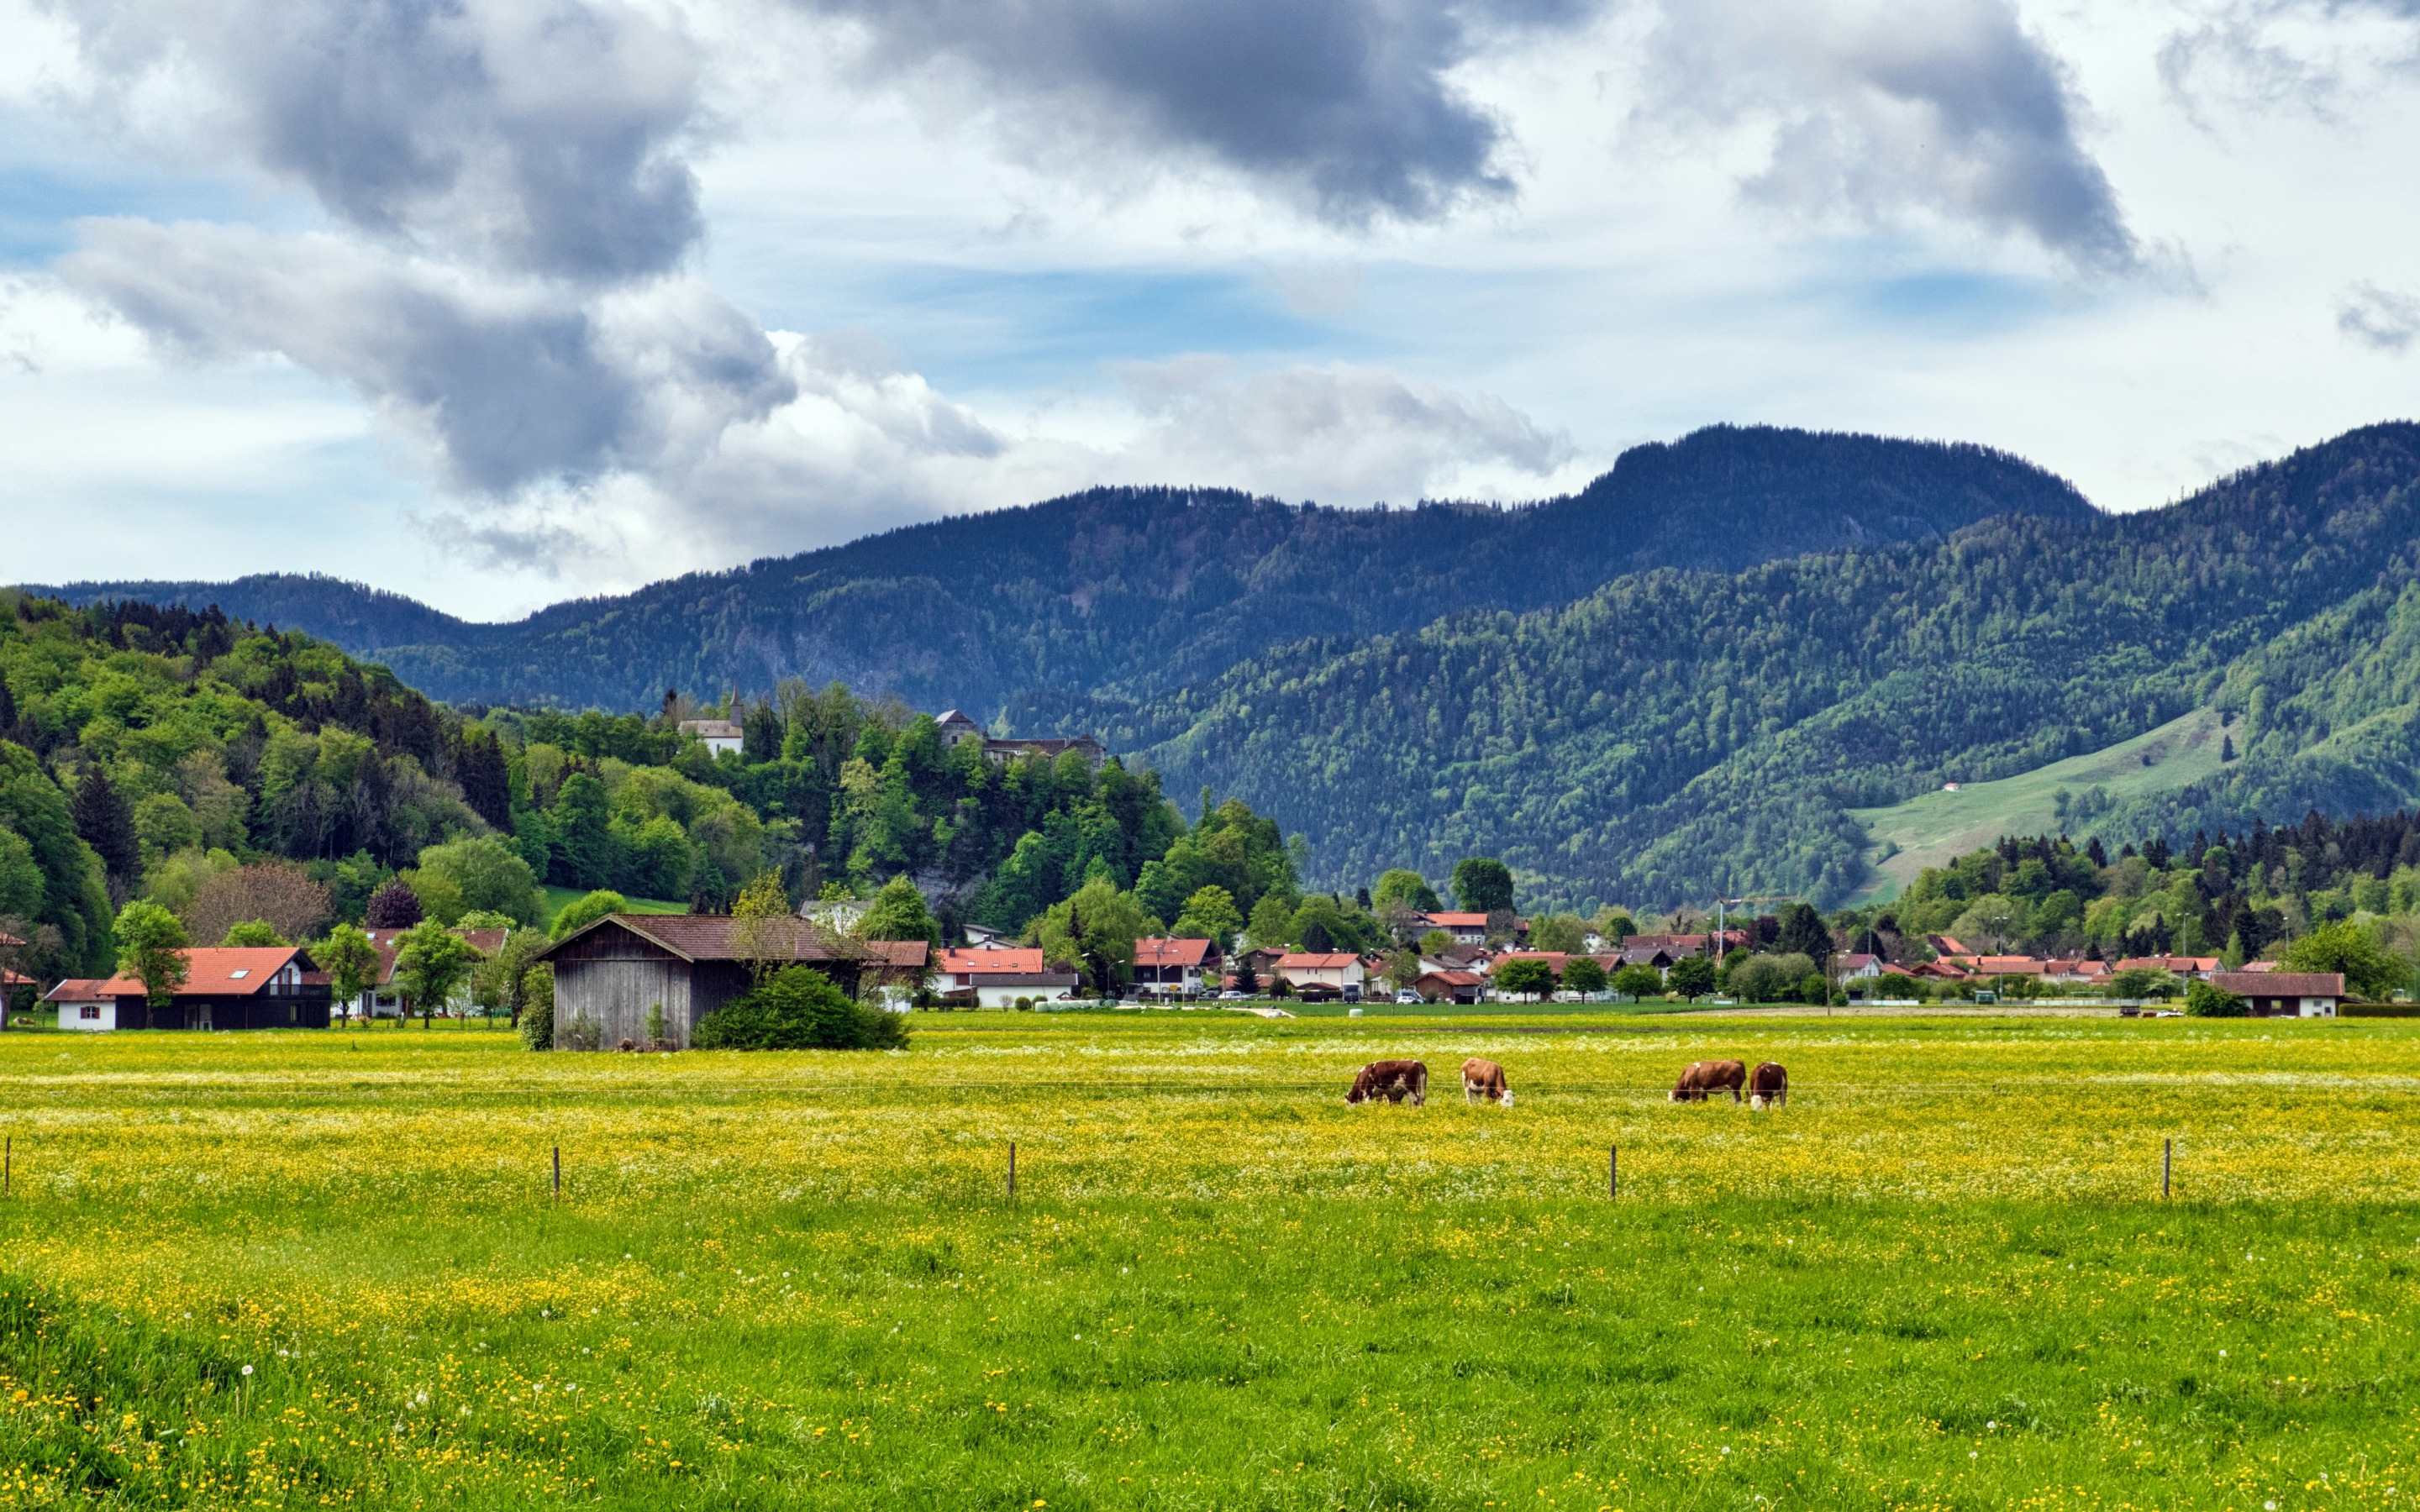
(696, 937)
(2280, 983)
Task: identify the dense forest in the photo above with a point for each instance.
(1084, 612)
(244, 777)
(1678, 733)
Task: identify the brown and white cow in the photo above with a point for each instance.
(1704, 1076)
(1485, 1078)
(1393, 1080)
(1768, 1085)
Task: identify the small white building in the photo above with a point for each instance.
(718, 735)
(997, 976)
(84, 1006)
(1326, 973)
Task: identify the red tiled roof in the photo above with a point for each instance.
(1553, 958)
(2183, 966)
(1330, 961)
(1457, 920)
(1016, 960)
(2280, 983)
(218, 971)
(79, 990)
(1453, 979)
(1172, 953)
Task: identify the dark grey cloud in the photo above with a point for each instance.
(1343, 104)
(2379, 318)
(510, 384)
(536, 136)
(1879, 109)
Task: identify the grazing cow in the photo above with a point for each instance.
(1393, 1080)
(1485, 1078)
(1704, 1076)
(1768, 1085)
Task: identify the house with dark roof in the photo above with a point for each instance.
(2310, 994)
(610, 974)
(231, 987)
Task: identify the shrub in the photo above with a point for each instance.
(1585, 975)
(582, 1033)
(660, 1032)
(799, 1008)
(1771, 978)
(538, 1008)
(2203, 1001)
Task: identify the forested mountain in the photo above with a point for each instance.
(1090, 608)
(1673, 732)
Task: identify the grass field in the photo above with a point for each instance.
(1931, 828)
(310, 1270)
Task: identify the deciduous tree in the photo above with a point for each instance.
(152, 945)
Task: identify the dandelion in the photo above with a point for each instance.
(247, 1369)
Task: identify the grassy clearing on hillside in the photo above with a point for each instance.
(557, 899)
(1941, 1277)
(1932, 827)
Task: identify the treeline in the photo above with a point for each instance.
(1676, 734)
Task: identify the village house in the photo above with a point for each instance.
(1175, 967)
(1856, 965)
(82, 1006)
(718, 735)
(229, 987)
(1321, 974)
(995, 976)
(2309, 995)
(957, 729)
(1449, 986)
(610, 974)
(2077, 973)
(384, 998)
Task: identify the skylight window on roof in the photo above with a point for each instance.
(240, 973)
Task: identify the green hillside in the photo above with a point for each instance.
(555, 900)
(1931, 829)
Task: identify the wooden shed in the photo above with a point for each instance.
(610, 974)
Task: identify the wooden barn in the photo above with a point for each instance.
(610, 974)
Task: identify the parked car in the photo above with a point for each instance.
(1231, 995)
(1353, 991)
(1407, 995)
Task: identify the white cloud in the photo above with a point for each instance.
(2377, 317)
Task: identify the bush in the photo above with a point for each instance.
(2203, 1001)
(538, 1008)
(1638, 982)
(1772, 978)
(799, 1008)
(585, 911)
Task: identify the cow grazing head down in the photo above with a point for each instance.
(1768, 1085)
(1704, 1076)
(1393, 1080)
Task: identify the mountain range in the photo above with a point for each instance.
(1683, 677)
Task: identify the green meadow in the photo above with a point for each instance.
(333, 1269)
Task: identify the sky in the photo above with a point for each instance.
(498, 302)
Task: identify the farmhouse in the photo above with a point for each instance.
(384, 998)
(997, 976)
(1449, 986)
(2309, 995)
(610, 974)
(1169, 966)
(267, 987)
(1318, 974)
(957, 729)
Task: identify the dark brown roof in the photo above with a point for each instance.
(716, 938)
(2280, 983)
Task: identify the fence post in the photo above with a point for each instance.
(1012, 1170)
(1612, 1171)
(2167, 1149)
(558, 1173)
(7, 1162)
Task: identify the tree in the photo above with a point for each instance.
(2141, 984)
(1638, 982)
(799, 1008)
(2370, 970)
(1247, 981)
(2203, 1001)
(279, 893)
(392, 906)
(537, 1023)
(1402, 968)
(431, 960)
(1406, 888)
(1691, 977)
(498, 980)
(107, 822)
(898, 913)
(1482, 884)
(1272, 925)
(1614, 924)
(253, 933)
(1802, 931)
(584, 835)
(1095, 931)
(1584, 974)
(351, 961)
(1767, 979)
(764, 932)
(484, 874)
(1524, 975)
(1434, 941)
(578, 914)
(1991, 919)
(152, 945)
(1209, 915)
(1563, 933)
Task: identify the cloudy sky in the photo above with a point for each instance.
(501, 302)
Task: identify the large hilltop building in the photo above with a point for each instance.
(957, 729)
